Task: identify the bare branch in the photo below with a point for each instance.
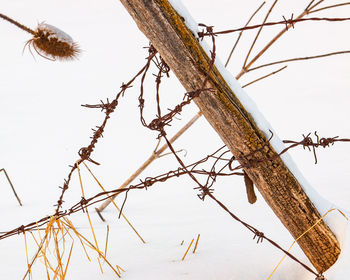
(263, 77)
(240, 34)
(330, 7)
(298, 59)
(257, 35)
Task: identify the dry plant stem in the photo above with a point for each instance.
(35, 256)
(182, 52)
(106, 245)
(330, 7)
(69, 256)
(195, 246)
(154, 156)
(329, 211)
(263, 77)
(21, 26)
(183, 258)
(99, 263)
(70, 225)
(284, 30)
(240, 33)
(110, 199)
(120, 269)
(27, 258)
(86, 210)
(310, 7)
(13, 189)
(257, 35)
(43, 253)
(297, 59)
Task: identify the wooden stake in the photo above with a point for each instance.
(180, 48)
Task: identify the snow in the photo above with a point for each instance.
(43, 126)
(55, 32)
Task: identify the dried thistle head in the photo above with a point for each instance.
(52, 43)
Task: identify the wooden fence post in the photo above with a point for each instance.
(168, 33)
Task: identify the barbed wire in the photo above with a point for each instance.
(285, 21)
(108, 108)
(221, 165)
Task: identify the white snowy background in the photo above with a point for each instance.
(43, 126)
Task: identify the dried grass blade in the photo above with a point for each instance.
(70, 225)
(69, 256)
(305, 232)
(183, 258)
(116, 206)
(59, 269)
(27, 258)
(46, 261)
(195, 246)
(99, 263)
(107, 235)
(86, 210)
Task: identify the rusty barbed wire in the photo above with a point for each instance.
(206, 189)
(285, 22)
(194, 168)
(221, 165)
(108, 108)
(306, 142)
(143, 184)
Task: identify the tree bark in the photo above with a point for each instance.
(180, 49)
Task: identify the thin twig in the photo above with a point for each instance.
(240, 34)
(257, 35)
(268, 45)
(263, 77)
(314, 6)
(297, 59)
(13, 189)
(330, 7)
(309, 5)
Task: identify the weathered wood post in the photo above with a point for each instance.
(180, 49)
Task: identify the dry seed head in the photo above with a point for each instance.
(52, 43)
